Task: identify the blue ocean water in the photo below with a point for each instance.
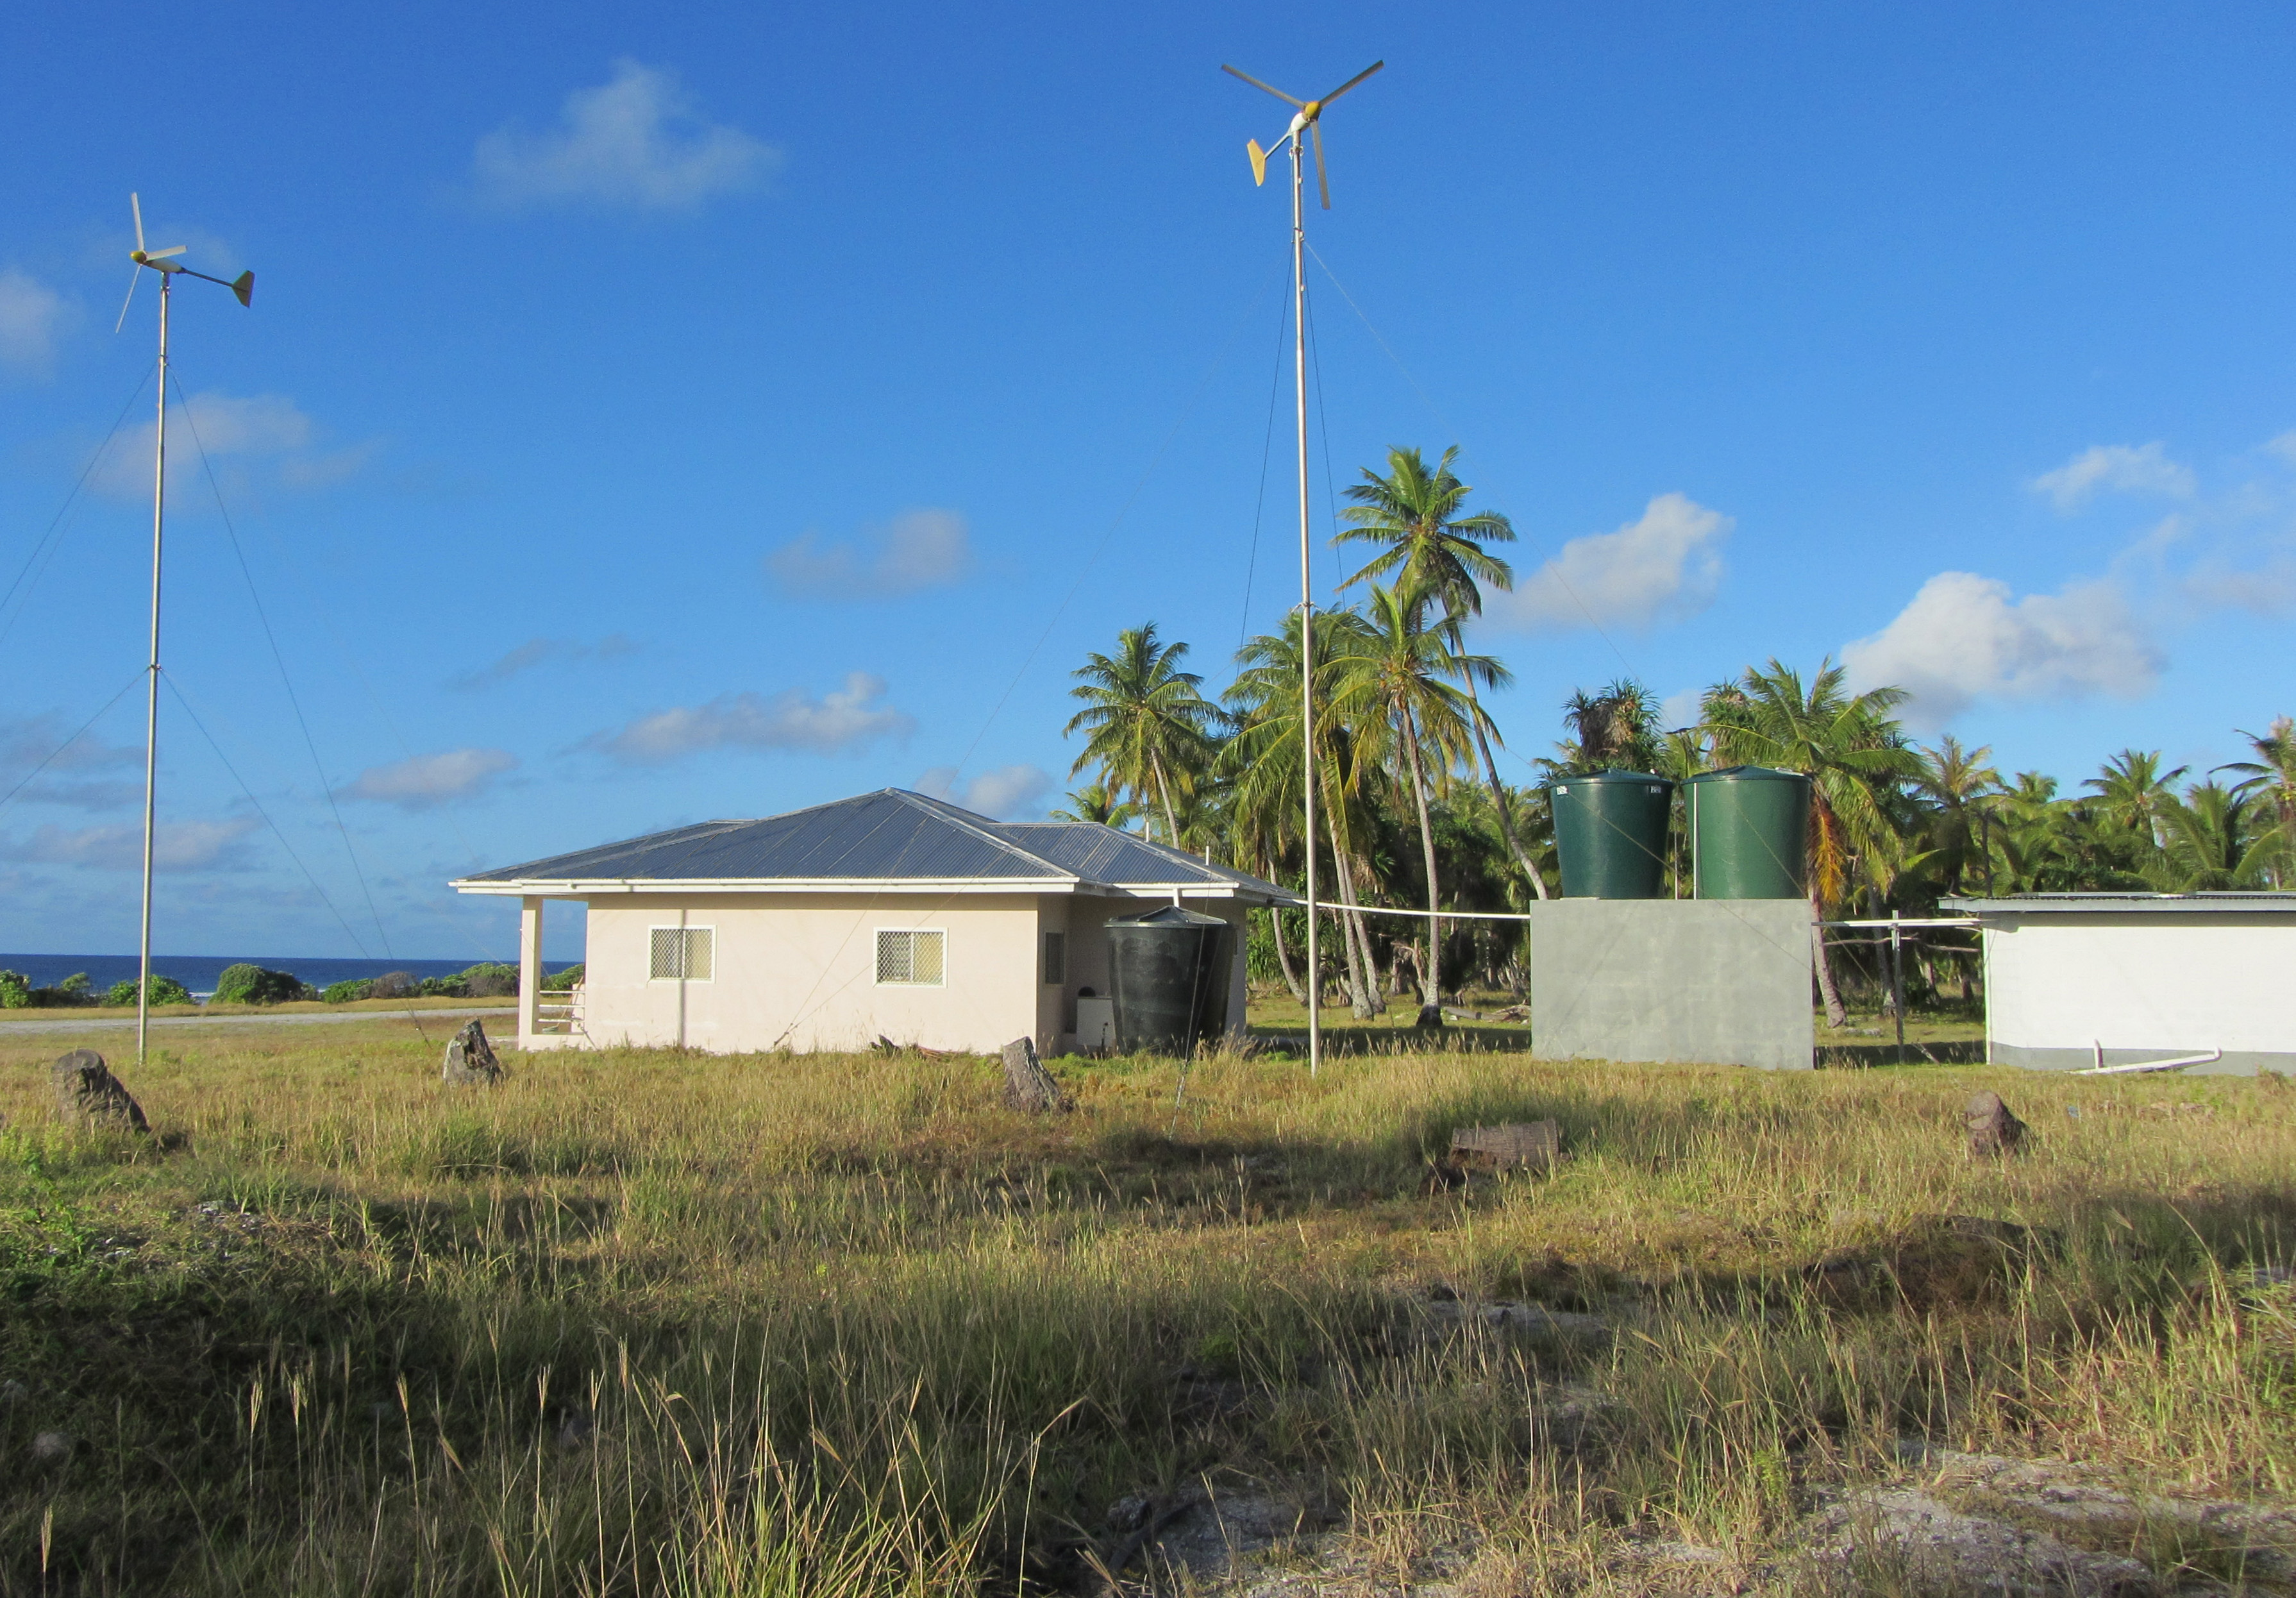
(199, 972)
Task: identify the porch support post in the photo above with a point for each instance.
(530, 969)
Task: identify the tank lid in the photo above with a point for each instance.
(1170, 915)
(1612, 775)
(1750, 773)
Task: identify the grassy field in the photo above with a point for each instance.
(642, 1323)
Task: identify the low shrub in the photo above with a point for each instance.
(565, 981)
(245, 984)
(73, 991)
(395, 984)
(443, 988)
(15, 990)
(348, 992)
(487, 980)
(164, 990)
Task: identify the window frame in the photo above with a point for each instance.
(1054, 969)
(685, 952)
(877, 959)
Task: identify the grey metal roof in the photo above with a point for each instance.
(889, 836)
(2127, 904)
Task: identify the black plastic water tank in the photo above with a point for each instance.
(1169, 973)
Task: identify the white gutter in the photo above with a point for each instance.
(2102, 1069)
(608, 886)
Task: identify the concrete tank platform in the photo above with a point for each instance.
(1704, 981)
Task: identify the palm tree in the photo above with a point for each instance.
(1147, 726)
(1615, 730)
(1262, 761)
(1395, 682)
(1433, 550)
(2132, 792)
(1094, 803)
(2211, 842)
(1849, 747)
(1958, 782)
(2272, 775)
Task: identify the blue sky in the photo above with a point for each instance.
(656, 414)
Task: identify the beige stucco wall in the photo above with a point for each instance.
(799, 971)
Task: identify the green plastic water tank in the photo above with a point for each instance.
(1609, 830)
(1748, 831)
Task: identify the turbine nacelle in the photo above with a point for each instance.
(162, 261)
(1306, 121)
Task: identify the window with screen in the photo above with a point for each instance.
(682, 954)
(909, 959)
(1056, 959)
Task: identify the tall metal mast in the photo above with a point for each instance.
(161, 261)
(1305, 125)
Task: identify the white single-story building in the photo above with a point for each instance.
(886, 915)
(2077, 980)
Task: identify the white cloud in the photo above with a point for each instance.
(2145, 468)
(2285, 446)
(636, 141)
(34, 752)
(844, 718)
(1963, 638)
(1681, 709)
(917, 549)
(178, 846)
(540, 651)
(1007, 792)
(1663, 567)
(420, 782)
(32, 315)
(256, 427)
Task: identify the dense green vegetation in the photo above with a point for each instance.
(1414, 810)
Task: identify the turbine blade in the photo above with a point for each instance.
(134, 276)
(1351, 82)
(1321, 182)
(137, 206)
(1256, 83)
(161, 255)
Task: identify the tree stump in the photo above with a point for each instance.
(1028, 1085)
(470, 1058)
(1993, 1131)
(87, 1091)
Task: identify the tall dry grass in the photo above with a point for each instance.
(639, 1322)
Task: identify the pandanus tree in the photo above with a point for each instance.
(1848, 745)
(1428, 546)
(1146, 724)
(1395, 690)
(1615, 730)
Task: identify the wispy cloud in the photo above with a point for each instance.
(637, 142)
(235, 433)
(423, 782)
(2121, 468)
(60, 768)
(1963, 638)
(1008, 792)
(917, 549)
(1663, 567)
(178, 846)
(543, 652)
(848, 717)
(32, 317)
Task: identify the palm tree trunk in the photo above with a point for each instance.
(1500, 797)
(1163, 792)
(1283, 954)
(1363, 990)
(1432, 993)
(1836, 1015)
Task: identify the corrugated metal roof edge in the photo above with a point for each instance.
(2258, 901)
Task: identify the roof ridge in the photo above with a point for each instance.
(980, 826)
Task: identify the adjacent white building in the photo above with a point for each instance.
(886, 915)
(2074, 981)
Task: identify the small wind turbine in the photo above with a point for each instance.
(164, 263)
(1307, 123)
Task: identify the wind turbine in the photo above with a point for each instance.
(164, 263)
(1307, 123)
